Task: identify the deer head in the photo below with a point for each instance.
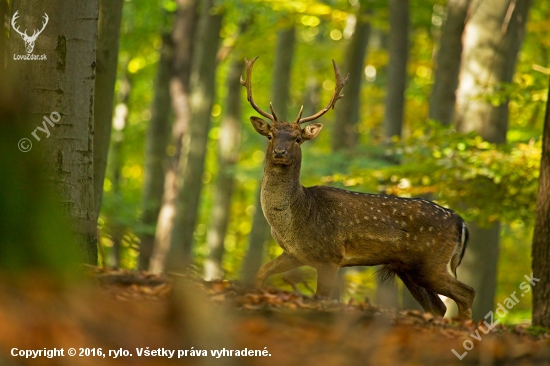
(29, 40)
(285, 138)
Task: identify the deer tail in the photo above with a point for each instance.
(459, 253)
(385, 273)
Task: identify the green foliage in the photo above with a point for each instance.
(458, 170)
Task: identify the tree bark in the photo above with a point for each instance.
(4, 14)
(541, 236)
(116, 227)
(64, 84)
(347, 114)
(110, 16)
(280, 86)
(182, 39)
(228, 155)
(280, 95)
(203, 88)
(156, 160)
(443, 97)
(397, 68)
(492, 39)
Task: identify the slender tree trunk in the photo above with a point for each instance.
(443, 97)
(228, 155)
(110, 16)
(156, 160)
(182, 39)
(541, 236)
(116, 164)
(280, 94)
(259, 236)
(62, 87)
(312, 97)
(280, 87)
(4, 14)
(203, 88)
(347, 114)
(492, 39)
(397, 68)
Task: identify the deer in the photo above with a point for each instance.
(328, 228)
(29, 40)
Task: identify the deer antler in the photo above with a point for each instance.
(15, 28)
(248, 85)
(340, 83)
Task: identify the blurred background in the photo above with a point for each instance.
(446, 101)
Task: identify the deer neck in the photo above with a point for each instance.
(281, 188)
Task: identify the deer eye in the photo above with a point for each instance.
(269, 137)
(299, 139)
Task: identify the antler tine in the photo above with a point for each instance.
(299, 115)
(272, 111)
(248, 85)
(340, 83)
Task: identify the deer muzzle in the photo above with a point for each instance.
(279, 153)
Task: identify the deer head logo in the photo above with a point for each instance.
(29, 40)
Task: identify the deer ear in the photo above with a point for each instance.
(261, 126)
(311, 131)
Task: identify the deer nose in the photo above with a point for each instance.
(279, 153)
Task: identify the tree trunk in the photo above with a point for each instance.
(492, 39)
(4, 14)
(228, 155)
(182, 39)
(397, 68)
(110, 16)
(156, 160)
(259, 236)
(443, 97)
(347, 114)
(203, 88)
(116, 227)
(280, 91)
(62, 87)
(541, 236)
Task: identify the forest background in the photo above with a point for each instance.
(446, 101)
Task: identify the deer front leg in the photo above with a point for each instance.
(326, 278)
(284, 262)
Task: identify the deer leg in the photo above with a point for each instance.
(326, 278)
(284, 262)
(430, 302)
(447, 285)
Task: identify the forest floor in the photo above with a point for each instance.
(120, 316)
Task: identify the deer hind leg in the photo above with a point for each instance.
(430, 301)
(445, 284)
(284, 262)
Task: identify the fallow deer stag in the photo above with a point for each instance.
(328, 228)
